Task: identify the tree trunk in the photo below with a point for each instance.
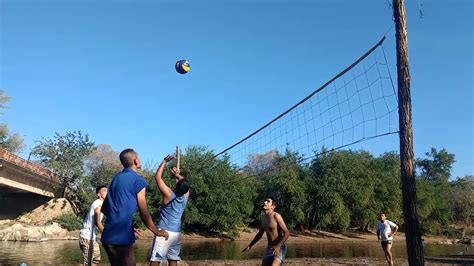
(366, 227)
(73, 199)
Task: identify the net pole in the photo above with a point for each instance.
(177, 157)
(407, 162)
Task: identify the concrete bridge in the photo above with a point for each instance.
(24, 185)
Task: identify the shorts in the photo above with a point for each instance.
(90, 251)
(385, 243)
(269, 256)
(163, 250)
(120, 255)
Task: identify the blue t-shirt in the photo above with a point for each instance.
(170, 214)
(119, 207)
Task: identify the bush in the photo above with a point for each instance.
(452, 232)
(68, 221)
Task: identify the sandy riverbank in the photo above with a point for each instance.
(312, 236)
(23, 232)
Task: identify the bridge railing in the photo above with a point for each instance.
(33, 167)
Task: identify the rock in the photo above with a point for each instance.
(17, 235)
(465, 240)
(7, 236)
(34, 234)
(18, 232)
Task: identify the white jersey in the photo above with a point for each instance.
(385, 229)
(89, 222)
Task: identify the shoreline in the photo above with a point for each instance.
(30, 233)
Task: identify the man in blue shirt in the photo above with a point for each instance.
(126, 192)
(174, 203)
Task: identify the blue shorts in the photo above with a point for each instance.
(268, 256)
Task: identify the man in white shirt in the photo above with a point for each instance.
(91, 226)
(385, 234)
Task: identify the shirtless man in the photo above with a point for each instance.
(277, 234)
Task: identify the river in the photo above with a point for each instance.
(68, 252)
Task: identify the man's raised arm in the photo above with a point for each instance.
(165, 190)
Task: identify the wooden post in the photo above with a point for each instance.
(177, 157)
(407, 162)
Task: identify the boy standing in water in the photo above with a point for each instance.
(91, 226)
(385, 233)
(277, 234)
(172, 208)
(126, 194)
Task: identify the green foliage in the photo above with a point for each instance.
(434, 190)
(68, 221)
(101, 165)
(388, 193)
(85, 198)
(285, 184)
(461, 201)
(339, 190)
(8, 141)
(346, 190)
(65, 155)
(279, 176)
(220, 198)
(4, 99)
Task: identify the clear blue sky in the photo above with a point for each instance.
(107, 68)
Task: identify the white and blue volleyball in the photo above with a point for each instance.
(182, 66)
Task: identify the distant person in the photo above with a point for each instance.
(277, 234)
(91, 226)
(385, 234)
(126, 193)
(172, 208)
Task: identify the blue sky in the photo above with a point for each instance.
(107, 68)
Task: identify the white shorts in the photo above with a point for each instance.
(163, 250)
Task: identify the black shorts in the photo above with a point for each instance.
(385, 243)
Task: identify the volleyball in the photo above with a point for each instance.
(182, 66)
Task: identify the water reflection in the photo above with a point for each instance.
(68, 252)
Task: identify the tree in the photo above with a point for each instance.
(280, 176)
(65, 156)
(326, 207)
(461, 201)
(350, 188)
(388, 194)
(221, 199)
(348, 176)
(434, 189)
(12, 142)
(101, 164)
(3, 100)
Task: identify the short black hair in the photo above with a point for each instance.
(127, 157)
(99, 188)
(274, 203)
(182, 187)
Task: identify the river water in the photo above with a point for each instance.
(68, 252)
